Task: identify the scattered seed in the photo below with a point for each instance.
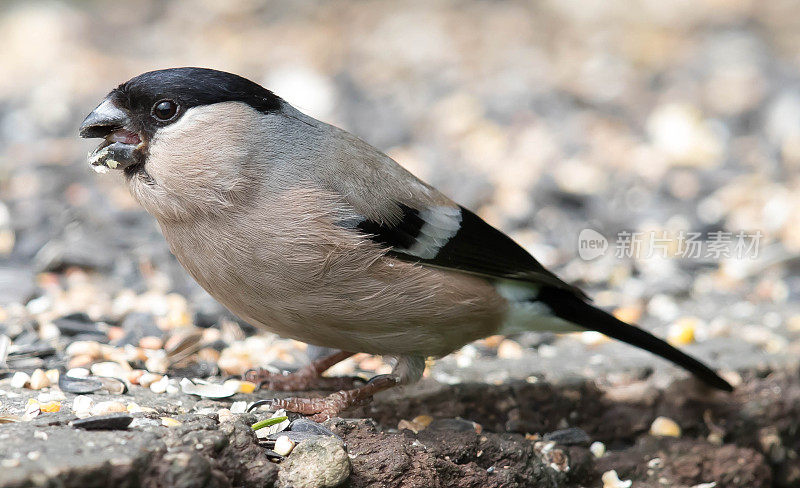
(32, 410)
(79, 386)
(611, 480)
(114, 421)
(598, 449)
(665, 427)
(572, 436)
(682, 332)
(50, 407)
(283, 445)
(273, 456)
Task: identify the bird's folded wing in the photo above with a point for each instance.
(453, 237)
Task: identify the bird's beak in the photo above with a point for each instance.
(120, 149)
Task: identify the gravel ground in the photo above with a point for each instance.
(642, 119)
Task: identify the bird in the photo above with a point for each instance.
(305, 230)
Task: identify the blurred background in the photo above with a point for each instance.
(547, 118)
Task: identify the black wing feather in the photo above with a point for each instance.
(476, 248)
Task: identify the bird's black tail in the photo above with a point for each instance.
(572, 308)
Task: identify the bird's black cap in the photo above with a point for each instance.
(186, 88)
(191, 87)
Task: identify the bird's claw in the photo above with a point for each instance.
(323, 408)
(260, 403)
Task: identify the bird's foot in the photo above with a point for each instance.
(307, 378)
(300, 380)
(323, 408)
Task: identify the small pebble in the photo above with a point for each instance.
(611, 480)
(170, 422)
(665, 427)
(630, 314)
(408, 425)
(172, 387)
(225, 415)
(423, 420)
(283, 445)
(320, 462)
(104, 408)
(52, 376)
(78, 373)
(157, 363)
(598, 449)
(509, 349)
(90, 349)
(160, 386)
(210, 390)
(147, 379)
(458, 425)
(19, 380)
(54, 395)
(239, 407)
(150, 342)
(115, 333)
(133, 376)
(113, 385)
(82, 406)
(80, 361)
(110, 369)
(304, 425)
(38, 380)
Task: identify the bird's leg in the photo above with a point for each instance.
(308, 378)
(321, 409)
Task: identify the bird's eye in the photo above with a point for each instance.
(165, 110)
